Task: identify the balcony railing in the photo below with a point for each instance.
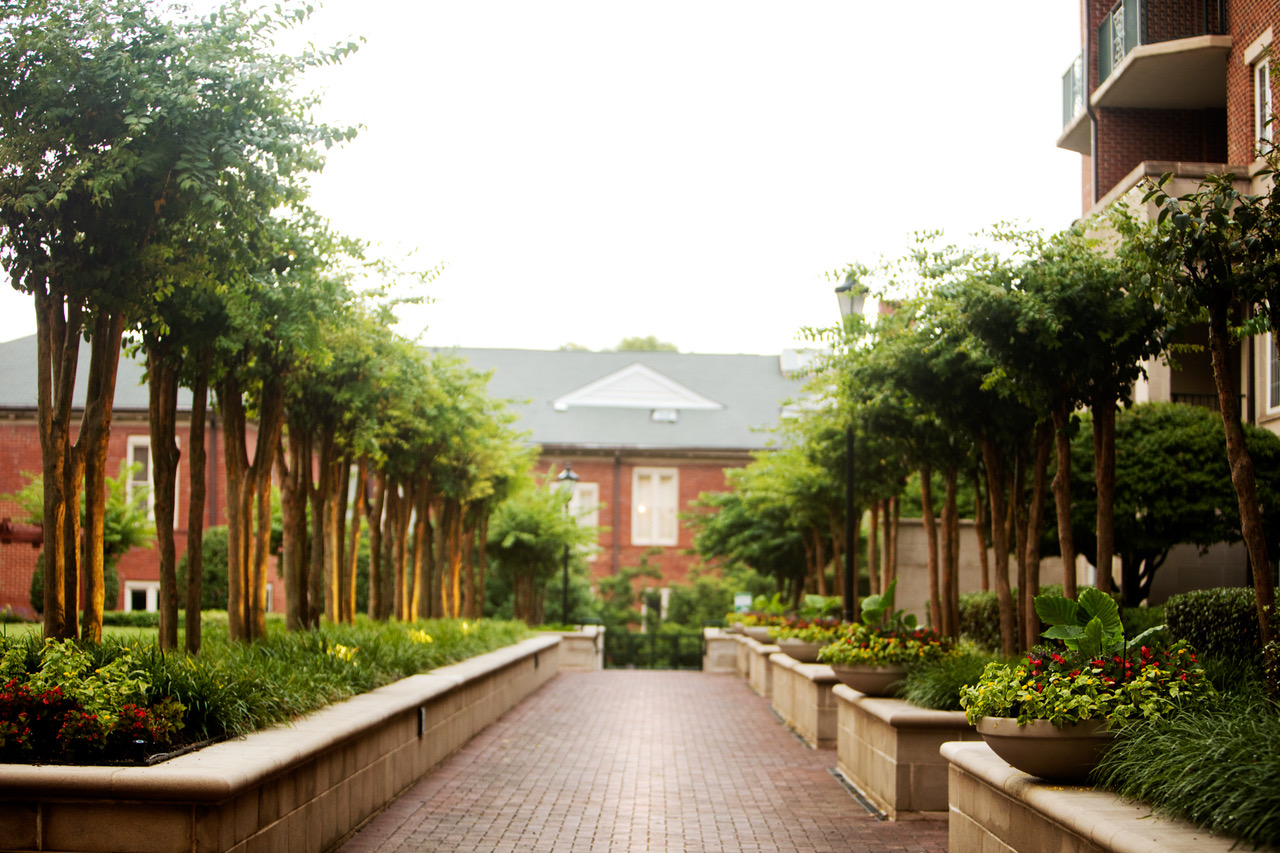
(1131, 23)
(1073, 91)
(1204, 401)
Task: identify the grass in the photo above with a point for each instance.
(1217, 767)
(937, 684)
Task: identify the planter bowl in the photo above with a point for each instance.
(1055, 755)
(759, 633)
(800, 650)
(870, 680)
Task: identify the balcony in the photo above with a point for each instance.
(1152, 54)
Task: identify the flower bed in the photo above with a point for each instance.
(304, 786)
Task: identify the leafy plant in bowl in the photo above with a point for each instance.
(802, 639)
(1076, 692)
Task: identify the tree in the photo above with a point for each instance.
(648, 343)
(1173, 486)
(1216, 251)
(120, 129)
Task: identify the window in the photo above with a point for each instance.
(142, 595)
(585, 507)
(1273, 373)
(655, 498)
(1262, 112)
(138, 455)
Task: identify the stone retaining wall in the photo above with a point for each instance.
(303, 787)
(997, 808)
(802, 697)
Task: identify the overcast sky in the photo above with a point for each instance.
(588, 171)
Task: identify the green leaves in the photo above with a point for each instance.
(1090, 625)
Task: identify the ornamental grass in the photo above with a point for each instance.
(126, 701)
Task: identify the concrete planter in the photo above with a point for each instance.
(301, 787)
(1058, 755)
(582, 650)
(889, 748)
(802, 697)
(759, 672)
(871, 680)
(995, 807)
(800, 650)
(719, 651)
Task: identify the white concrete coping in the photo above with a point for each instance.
(222, 770)
(1101, 817)
(819, 673)
(759, 647)
(899, 713)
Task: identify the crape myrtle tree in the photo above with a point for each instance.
(118, 130)
(1173, 486)
(1066, 325)
(1215, 254)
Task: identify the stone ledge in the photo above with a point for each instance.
(992, 803)
(802, 697)
(301, 786)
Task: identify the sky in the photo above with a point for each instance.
(583, 172)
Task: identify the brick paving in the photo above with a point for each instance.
(624, 760)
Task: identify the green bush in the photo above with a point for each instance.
(1216, 767)
(936, 684)
(213, 585)
(1221, 622)
(1138, 619)
(980, 619)
(110, 585)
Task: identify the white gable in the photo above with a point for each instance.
(636, 387)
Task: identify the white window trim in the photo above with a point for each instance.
(1256, 57)
(1272, 406)
(584, 506)
(151, 588)
(144, 441)
(644, 524)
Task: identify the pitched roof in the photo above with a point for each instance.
(641, 400)
(18, 379)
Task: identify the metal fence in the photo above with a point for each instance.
(653, 650)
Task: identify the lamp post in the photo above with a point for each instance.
(567, 482)
(851, 295)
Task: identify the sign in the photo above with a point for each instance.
(741, 602)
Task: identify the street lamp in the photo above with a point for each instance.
(851, 295)
(567, 482)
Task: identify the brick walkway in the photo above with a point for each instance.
(638, 761)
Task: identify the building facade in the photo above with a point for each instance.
(1184, 88)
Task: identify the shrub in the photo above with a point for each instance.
(1214, 766)
(110, 585)
(1221, 621)
(1139, 619)
(213, 585)
(980, 619)
(936, 684)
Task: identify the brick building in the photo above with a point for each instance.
(1180, 87)
(646, 432)
(130, 440)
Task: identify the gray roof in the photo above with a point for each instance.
(749, 389)
(18, 379)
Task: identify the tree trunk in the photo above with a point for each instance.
(235, 461)
(482, 559)
(1035, 522)
(931, 544)
(951, 556)
(162, 394)
(195, 507)
(353, 555)
(891, 520)
(873, 551)
(1242, 473)
(1104, 466)
(95, 433)
(1000, 545)
(980, 529)
(374, 511)
(292, 462)
(1062, 498)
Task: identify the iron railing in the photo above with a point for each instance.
(1134, 22)
(1073, 91)
(1204, 401)
(652, 650)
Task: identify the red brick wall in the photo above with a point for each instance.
(1126, 137)
(695, 477)
(20, 452)
(1247, 19)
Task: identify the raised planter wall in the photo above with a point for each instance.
(303, 787)
(719, 651)
(759, 671)
(582, 650)
(997, 808)
(744, 655)
(889, 749)
(802, 696)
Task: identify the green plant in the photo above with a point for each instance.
(936, 683)
(1222, 621)
(1094, 673)
(863, 647)
(809, 630)
(213, 582)
(1213, 765)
